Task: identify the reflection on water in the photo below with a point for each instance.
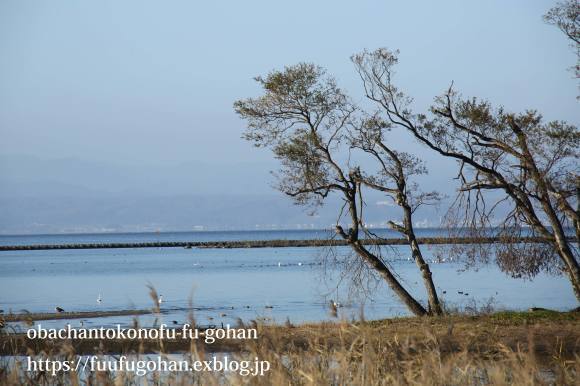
(270, 283)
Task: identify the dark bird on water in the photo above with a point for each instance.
(460, 292)
(59, 310)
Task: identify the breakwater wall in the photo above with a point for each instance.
(266, 243)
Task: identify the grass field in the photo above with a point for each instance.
(540, 347)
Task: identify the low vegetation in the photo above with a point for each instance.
(535, 347)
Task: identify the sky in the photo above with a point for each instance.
(147, 87)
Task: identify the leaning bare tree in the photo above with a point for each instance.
(312, 127)
(533, 165)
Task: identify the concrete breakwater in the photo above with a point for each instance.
(268, 243)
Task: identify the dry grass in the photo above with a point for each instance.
(499, 349)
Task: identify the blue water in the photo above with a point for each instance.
(293, 281)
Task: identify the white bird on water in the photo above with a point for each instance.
(99, 299)
(334, 306)
(160, 300)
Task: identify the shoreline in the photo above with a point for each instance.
(266, 243)
(34, 316)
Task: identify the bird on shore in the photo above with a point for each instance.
(59, 310)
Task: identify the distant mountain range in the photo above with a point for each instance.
(70, 195)
(128, 213)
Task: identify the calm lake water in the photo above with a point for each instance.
(290, 280)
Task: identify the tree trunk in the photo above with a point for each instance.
(434, 304)
(572, 267)
(561, 242)
(414, 306)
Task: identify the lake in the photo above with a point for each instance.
(226, 284)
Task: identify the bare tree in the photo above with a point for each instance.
(313, 128)
(532, 163)
(395, 168)
(566, 16)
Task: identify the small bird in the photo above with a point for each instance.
(210, 318)
(300, 264)
(160, 299)
(444, 292)
(82, 323)
(223, 314)
(466, 294)
(269, 307)
(59, 310)
(460, 292)
(99, 299)
(279, 264)
(174, 321)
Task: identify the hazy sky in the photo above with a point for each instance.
(153, 82)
